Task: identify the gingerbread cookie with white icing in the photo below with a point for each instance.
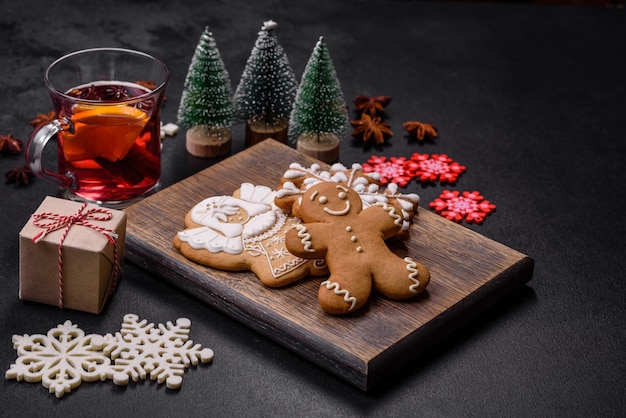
(352, 241)
(245, 232)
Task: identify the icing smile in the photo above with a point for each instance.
(338, 212)
(343, 195)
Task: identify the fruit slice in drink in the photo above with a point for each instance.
(105, 131)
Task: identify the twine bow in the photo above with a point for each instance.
(51, 221)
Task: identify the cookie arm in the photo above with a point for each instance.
(384, 216)
(301, 241)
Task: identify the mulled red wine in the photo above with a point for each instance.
(114, 150)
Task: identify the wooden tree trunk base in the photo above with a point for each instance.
(259, 130)
(324, 148)
(203, 141)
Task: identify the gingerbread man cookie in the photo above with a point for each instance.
(352, 241)
(243, 232)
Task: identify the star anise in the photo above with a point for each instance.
(20, 176)
(43, 118)
(368, 128)
(371, 105)
(420, 130)
(10, 145)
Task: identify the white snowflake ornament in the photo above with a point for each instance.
(61, 360)
(139, 350)
(65, 357)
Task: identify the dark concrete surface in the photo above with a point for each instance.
(529, 97)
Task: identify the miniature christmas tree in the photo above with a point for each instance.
(267, 89)
(206, 107)
(319, 116)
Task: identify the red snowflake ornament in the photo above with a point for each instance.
(438, 167)
(391, 170)
(458, 206)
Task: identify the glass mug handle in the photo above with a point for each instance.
(34, 152)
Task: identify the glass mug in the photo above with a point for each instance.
(108, 103)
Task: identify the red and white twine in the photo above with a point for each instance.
(53, 221)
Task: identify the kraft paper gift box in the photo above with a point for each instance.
(83, 275)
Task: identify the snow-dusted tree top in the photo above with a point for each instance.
(268, 84)
(319, 105)
(207, 97)
(269, 25)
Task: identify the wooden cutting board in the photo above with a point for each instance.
(468, 273)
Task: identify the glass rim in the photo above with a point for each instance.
(141, 97)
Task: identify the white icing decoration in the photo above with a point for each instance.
(338, 167)
(259, 224)
(305, 238)
(288, 266)
(359, 188)
(392, 212)
(288, 189)
(339, 177)
(214, 212)
(275, 240)
(280, 253)
(278, 224)
(292, 174)
(215, 209)
(340, 292)
(259, 194)
(320, 263)
(411, 266)
(351, 179)
(338, 212)
(353, 238)
(66, 357)
(309, 181)
(406, 205)
(206, 238)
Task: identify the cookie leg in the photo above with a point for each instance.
(402, 279)
(338, 296)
